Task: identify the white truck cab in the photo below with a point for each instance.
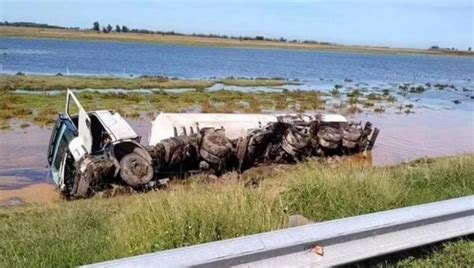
(98, 134)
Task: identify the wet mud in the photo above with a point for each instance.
(34, 193)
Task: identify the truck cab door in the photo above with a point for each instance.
(63, 133)
(83, 123)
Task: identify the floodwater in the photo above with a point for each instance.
(403, 137)
(42, 56)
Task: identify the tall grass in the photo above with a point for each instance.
(342, 192)
(92, 230)
(451, 254)
(79, 232)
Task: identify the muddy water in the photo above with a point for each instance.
(23, 157)
(428, 133)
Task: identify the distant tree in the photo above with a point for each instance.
(469, 49)
(104, 30)
(434, 47)
(109, 28)
(259, 37)
(125, 29)
(96, 26)
(117, 28)
(282, 39)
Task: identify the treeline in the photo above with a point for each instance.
(30, 24)
(436, 47)
(97, 27)
(124, 29)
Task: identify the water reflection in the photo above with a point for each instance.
(20, 177)
(426, 134)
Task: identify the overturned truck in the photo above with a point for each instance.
(91, 152)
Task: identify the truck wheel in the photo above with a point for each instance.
(135, 170)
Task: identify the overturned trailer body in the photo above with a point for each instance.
(95, 151)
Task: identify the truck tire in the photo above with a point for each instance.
(329, 137)
(350, 137)
(135, 170)
(215, 147)
(90, 174)
(295, 143)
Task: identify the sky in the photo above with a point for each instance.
(394, 23)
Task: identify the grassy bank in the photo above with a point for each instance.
(73, 233)
(30, 32)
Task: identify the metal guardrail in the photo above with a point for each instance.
(328, 243)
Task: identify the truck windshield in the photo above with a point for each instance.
(65, 135)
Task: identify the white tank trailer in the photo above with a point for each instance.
(98, 151)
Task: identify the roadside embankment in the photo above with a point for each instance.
(86, 231)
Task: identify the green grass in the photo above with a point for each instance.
(452, 254)
(85, 231)
(344, 192)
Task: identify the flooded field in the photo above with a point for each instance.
(403, 137)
